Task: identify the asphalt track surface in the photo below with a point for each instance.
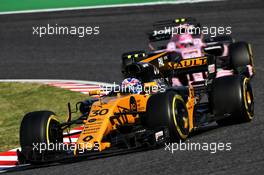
(98, 58)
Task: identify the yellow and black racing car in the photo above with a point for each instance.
(129, 120)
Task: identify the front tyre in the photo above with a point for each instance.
(168, 110)
(39, 128)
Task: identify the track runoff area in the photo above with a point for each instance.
(32, 6)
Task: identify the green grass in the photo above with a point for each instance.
(16, 5)
(16, 99)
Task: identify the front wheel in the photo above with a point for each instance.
(39, 128)
(168, 110)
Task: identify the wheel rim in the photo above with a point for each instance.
(53, 134)
(180, 115)
(248, 99)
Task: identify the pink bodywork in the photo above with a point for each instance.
(196, 51)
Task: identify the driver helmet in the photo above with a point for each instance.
(132, 85)
(184, 41)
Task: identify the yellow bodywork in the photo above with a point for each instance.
(104, 118)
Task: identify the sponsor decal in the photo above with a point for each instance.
(87, 138)
(92, 120)
(158, 135)
(189, 63)
(167, 30)
(161, 63)
(211, 68)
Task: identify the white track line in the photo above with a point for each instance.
(76, 86)
(6, 166)
(8, 158)
(81, 90)
(15, 149)
(165, 2)
(81, 86)
(55, 81)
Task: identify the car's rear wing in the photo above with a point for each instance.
(162, 30)
(175, 22)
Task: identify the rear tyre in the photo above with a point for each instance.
(233, 95)
(39, 127)
(168, 110)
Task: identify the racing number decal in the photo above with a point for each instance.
(99, 112)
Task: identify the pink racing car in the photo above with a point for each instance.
(218, 69)
(232, 57)
(189, 47)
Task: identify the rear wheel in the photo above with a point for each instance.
(233, 95)
(168, 110)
